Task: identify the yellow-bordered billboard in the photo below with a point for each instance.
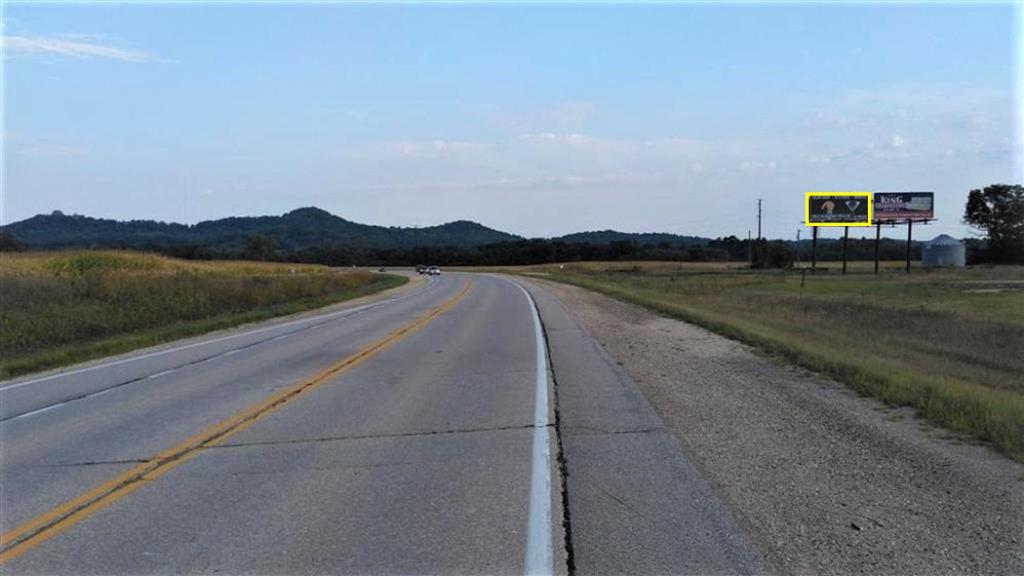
(838, 208)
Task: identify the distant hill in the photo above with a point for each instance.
(643, 239)
(296, 230)
(301, 228)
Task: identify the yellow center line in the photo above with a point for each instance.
(47, 525)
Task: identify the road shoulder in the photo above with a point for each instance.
(635, 503)
(824, 481)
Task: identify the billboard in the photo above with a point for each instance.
(904, 206)
(837, 209)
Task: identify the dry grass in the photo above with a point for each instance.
(80, 262)
(65, 307)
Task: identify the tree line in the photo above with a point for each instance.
(761, 253)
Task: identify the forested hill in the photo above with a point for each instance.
(642, 239)
(314, 235)
(298, 229)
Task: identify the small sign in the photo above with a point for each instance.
(837, 209)
(904, 206)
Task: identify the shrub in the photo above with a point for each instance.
(771, 255)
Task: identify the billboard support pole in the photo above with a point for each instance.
(910, 229)
(846, 237)
(814, 249)
(878, 238)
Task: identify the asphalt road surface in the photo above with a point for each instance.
(467, 425)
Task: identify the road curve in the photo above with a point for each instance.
(465, 426)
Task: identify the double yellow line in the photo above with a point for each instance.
(47, 525)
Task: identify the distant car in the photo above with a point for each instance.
(421, 269)
(434, 271)
(382, 269)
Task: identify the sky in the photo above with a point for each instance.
(536, 119)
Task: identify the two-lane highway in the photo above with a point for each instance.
(413, 435)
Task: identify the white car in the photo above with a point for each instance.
(434, 271)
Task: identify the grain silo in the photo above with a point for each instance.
(943, 250)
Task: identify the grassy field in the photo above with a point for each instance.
(60, 308)
(948, 343)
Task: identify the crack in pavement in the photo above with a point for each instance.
(323, 468)
(602, 431)
(621, 502)
(86, 463)
(415, 379)
(373, 436)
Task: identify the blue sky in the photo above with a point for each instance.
(535, 119)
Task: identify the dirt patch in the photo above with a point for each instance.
(824, 481)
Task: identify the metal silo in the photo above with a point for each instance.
(944, 250)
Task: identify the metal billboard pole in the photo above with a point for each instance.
(910, 229)
(814, 248)
(846, 238)
(878, 238)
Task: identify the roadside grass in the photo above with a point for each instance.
(60, 308)
(948, 343)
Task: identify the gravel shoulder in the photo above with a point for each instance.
(822, 480)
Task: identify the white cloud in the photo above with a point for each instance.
(421, 149)
(539, 161)
(573, 112)
(909, 127)
(573, 140)
(750, 165)
(569, 114)
(78, 46)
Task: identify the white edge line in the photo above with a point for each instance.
(159, 374)
(539, 555)
(37, 411)
(66, 402)
(205, 342)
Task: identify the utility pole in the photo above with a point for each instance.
(798, 247)
(759, 219)
(750, 250)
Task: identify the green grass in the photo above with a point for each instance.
(65, 307)
(929, 340)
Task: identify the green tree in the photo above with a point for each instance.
(998, 211)
(8, 243)
(260, 246)
(771, 255)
